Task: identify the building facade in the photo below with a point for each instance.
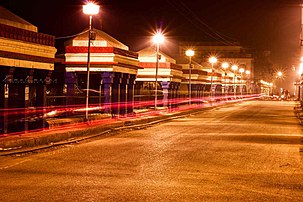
(224, 80)
(113, 70)
(26, 65)
(168, 79)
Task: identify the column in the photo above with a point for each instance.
(107, 78)
(116, 94)
(28, 97)
(70, 81)
(193, 92)
(100, 93)
(175, 91)
(199, 93)
(7, 86)
(171, 95)
(123, 93)
(137, 94)
(41, 88)
(165, 86)
(131, 94)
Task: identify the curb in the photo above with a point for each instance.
(46, 139)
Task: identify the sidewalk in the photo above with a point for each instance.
(69, 130)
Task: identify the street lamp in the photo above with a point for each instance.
(247, 72)
(225, 65)
(278, 75)
(241, 70)
(158, 38)
(190, 53)
(212, 60)
(89, 9)
(234, 68)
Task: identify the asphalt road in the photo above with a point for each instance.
(246, 152)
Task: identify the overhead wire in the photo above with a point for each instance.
(219, 34)
(190, 20)
(70, 36)
(186, 12)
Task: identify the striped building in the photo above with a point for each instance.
(26, 64)
(113, 70)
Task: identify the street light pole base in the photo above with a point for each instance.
(87, 121)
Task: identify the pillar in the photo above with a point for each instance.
(7, 85)
(199, 92)
(41, 103)
(108, 79)
(123, 93)
(175, 94)
(70, 81)
(28, 97)
(116, 94)
(131, 94)
(193, 92)
(171, 95)
(165, 87)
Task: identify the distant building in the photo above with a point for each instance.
(232, 54)
(168, 80)
(198, 78)
(26, 64)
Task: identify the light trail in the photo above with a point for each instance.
(142, 108)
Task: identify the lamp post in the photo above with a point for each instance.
(89, 9)
(189, 53)
(234, 68)
(279, 74)
(225, 65)
(212, 60)
(241, 70)
(247, 72)
(157, 39)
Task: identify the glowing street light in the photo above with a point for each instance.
(276, 79)
(212, 60)
(225, 66)
(158, 38)
(89, 9)
(247, 72)
(234, 68)
(189, 53)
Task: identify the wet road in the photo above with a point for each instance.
(246, 152)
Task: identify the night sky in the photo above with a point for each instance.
(272, 25)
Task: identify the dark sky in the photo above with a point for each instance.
(272, 25)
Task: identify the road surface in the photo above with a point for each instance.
(251, 151)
